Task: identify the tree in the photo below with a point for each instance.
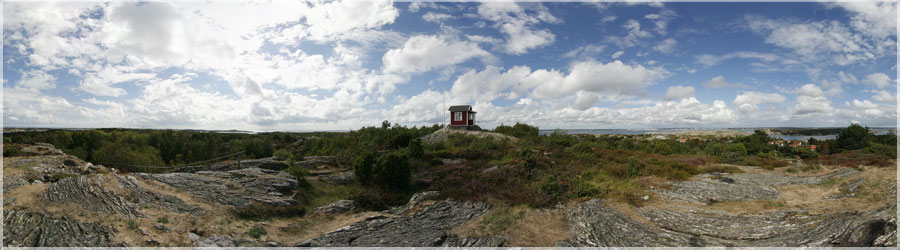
(854, 137)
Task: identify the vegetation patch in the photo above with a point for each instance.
(258, 212)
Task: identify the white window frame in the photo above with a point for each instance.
(472, 117)
(457, 116)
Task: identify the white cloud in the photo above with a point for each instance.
(810, 100)
(678, 92)
(618, 54)
(666, 46)
(436, 17)
(614, 77)
(810, 90)
(37, 80)
(875, 19)
(100, 83)
(511, 18)
(635, 33)
(847, 77)
(587, 51)
(333, 20)
(749, 100)
(879, 80)
(662, 20)
(821, 42)
(865, 104)
(712, 60)
(719, 82)
(884, 96)
(425, 52)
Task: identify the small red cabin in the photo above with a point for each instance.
(462, 116)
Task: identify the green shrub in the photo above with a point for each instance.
(283, 154)
(10, 150)
(528, 159)
(257, 231)
(392, 171)
(634, 168)
(415, 150)
(162, 220)
(363, 167)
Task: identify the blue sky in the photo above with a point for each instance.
(340, 65)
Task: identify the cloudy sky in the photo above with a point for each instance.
(341, 65)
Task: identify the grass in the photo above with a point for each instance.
(162, 220)
(828, 182)
(132, 224)
(323, 194)
(500, 218)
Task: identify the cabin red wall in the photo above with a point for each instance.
(465, 117)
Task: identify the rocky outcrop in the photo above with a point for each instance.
(89, 192)
(33, 229)
(593, 224)
(94, 193)
(443, 134)
(717, 187)
(237, 188)
(414, 201)
(425, 228)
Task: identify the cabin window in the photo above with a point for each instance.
(457, 116)
(472, 117)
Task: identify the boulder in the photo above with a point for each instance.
(337, 207)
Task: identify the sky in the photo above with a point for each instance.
(341, 65)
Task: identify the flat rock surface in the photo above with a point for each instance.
(594, 224)
(711, 188)
(424, 228)
(236, 187)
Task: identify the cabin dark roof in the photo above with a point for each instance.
(460, 108)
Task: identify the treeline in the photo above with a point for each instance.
(154, 147)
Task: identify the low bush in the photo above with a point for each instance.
(765, 163)
(257, 231)
(162, 220)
